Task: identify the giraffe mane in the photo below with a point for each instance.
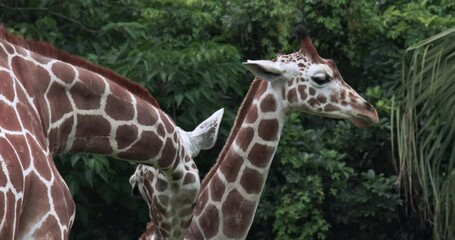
(241, 114)
(48, 50)
(149, 231)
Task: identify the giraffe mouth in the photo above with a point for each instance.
(363, 121)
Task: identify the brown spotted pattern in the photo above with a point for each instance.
(231, 191)
(226, 206)
(49, 105)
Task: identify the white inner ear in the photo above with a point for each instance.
(269, 66)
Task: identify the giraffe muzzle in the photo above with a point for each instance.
(364, 120)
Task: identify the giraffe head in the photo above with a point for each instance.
(203, 137)
(150, 183)
(312, 84)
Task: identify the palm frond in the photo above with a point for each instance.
(424, 121)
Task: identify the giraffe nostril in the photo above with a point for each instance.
(135, 191)
(369, 106)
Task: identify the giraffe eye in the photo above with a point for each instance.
(321, 79)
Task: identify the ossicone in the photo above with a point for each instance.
(300, 31)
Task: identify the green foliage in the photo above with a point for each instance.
(322, 196)
(425, 130)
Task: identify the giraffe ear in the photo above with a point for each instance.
(204, 136)
(265, 70)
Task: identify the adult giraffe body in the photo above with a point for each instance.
(301, 81)
(52, 102)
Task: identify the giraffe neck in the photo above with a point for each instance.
(75, 108)
(231, 191)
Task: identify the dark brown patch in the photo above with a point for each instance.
(321, 98)
(126, 135)
(201, 202)
(9, 47)
(64, 72)
(189, 178)
(146, 114)
(100, 145)
(343, 94)
(330, 108)
(217, 188)
(260, 155)
(11, 160)
(168, 155)
(51, 226)
(312, 91)
(87, 92)
(237, 215)
(61, 134)
(292, 95)
(9, 118)
(146, 148)
(6, 90)
(59, 101)
(268, 104)
(160, 130)
(92, 126)
(262, 88)
(210, 220)
(92, 135)
(176, 175)
(119, 107)
(268, 129)
(313, 102)
(252, 115)
(20, 146)
(63, 202)
(39, 159)
(252, 181)
(3, 57)
(8, 199)
(303, 94)
(244, 137)
(32, 76)
(167, 122)
(230, 169)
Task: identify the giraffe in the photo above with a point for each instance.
(52, 102)
(172, 216)
(298, 82)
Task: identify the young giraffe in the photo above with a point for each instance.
(52, 102)
(172, 219)
(302, 82)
